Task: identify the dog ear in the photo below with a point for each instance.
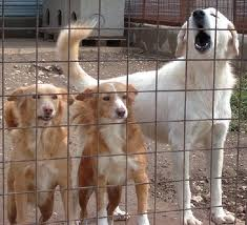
(65, 96)
(132, 92)
(181, 41)
(88, 93)
(16, 94)
(233, 44)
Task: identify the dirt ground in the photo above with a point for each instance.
(20, 68)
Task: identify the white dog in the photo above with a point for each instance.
(210, 39)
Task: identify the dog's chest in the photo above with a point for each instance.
(41, 143)
(115, 165)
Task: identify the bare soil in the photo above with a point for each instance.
(20, 67)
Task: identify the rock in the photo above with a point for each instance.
(197, 198)
(17, 71)
(198, 188)
(240, 209)
(41, 73)
(16, 66)
(244, 188)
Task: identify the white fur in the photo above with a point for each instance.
(103, 217)
(199, 104)
(115, 138)
(143, 220)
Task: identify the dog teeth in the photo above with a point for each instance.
(200, 46)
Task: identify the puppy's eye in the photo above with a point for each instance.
(36, 96)
(54, 96)
(214, 15)
(124, 97)
(106, 98)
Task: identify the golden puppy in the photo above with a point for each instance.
(39, 159)
(113, 151)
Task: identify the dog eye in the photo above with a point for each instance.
(36, 96)
(124, 97)
(54, 96)
(214, 15)
(106, 98)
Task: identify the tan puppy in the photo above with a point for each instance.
(113, 151)
(47, 144)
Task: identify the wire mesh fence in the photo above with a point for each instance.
(174, 13)
(66, 134)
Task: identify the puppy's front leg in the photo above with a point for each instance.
(21, 197)
(11, 202)
(114, 197)
(101, 201)
(181, 172)
(142, 186)
(68, 197)
(219, 216)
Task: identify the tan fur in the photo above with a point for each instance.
(90, 110)
(50, 143)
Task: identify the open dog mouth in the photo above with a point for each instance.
(202, 42)
(45, 118)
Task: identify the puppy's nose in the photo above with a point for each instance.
(120, 112)
(199, 14)
(47, 110)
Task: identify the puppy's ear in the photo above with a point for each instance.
(132, 92)
(88, 93)
(233, 44)
(181, 41)
(16, 94)
(65, 96)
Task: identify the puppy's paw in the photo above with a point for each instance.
(143, 220)
(120, 215)
(103, 221)
(220, 216)
(190, 219)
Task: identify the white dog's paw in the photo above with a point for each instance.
(142, 220)
(120, 215)
(103, 221)
(220, 216)
(78, 223)
(190, 219)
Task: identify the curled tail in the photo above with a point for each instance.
(68, 52)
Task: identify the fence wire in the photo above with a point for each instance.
(36, 63)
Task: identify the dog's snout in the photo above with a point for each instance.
(199, 18)
(47, 110)
(199, 14)
(121, 112)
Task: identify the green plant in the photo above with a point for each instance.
(239, 107)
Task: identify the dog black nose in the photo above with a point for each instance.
(120, 112)
(47, 111)
(199, 14)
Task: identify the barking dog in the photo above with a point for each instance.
(205, 43)
(47, 144)
(119, 146)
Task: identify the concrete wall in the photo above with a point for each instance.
(153, 40)
(111, 11)
(53, 6)
(164, 41)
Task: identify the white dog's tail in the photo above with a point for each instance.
(68, 52)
